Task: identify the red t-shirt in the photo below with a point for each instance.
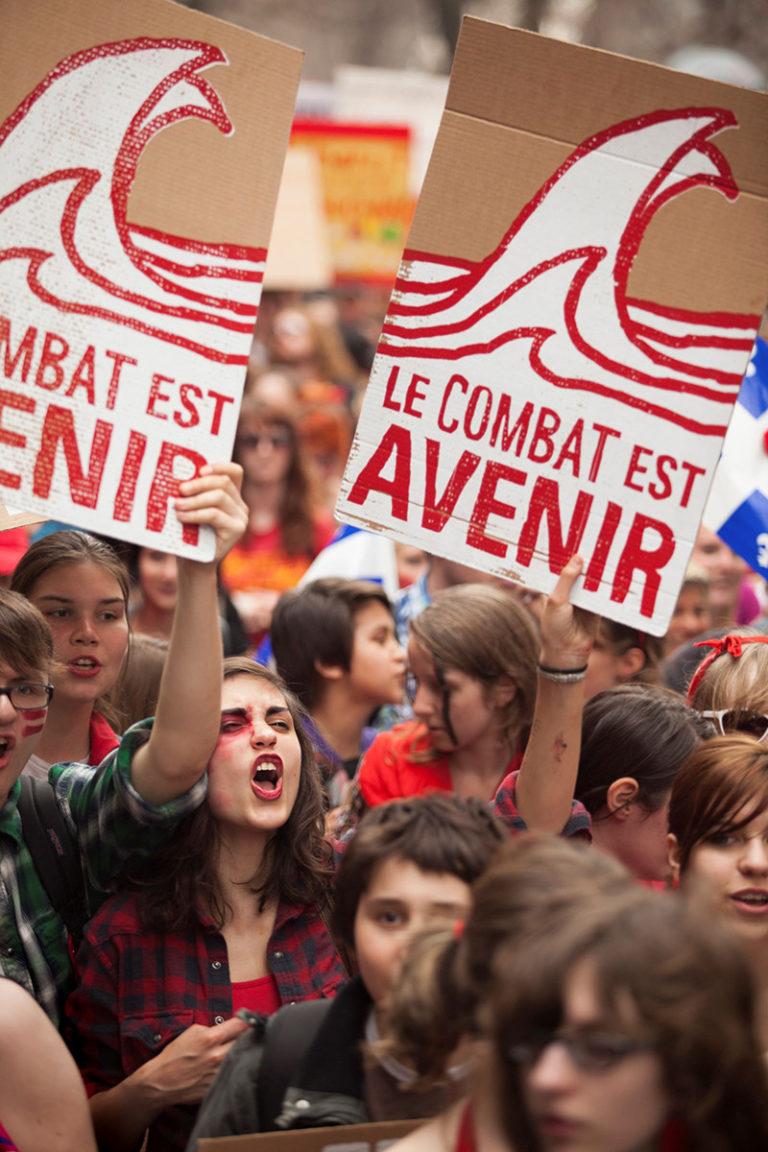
(260, 561)
(102, 739)
(260, 995)
(389, 770)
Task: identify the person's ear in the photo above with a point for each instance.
(329, 671)
(621, 795)
(673, 855)
(503, 692)
(629, 664)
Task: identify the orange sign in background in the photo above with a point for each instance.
(365, 185)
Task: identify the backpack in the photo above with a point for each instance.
(55, 854)
(247, 1094)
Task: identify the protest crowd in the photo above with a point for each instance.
(356, 872)
(291, 841)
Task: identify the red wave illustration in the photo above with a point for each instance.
(165, 297)
(404, 335)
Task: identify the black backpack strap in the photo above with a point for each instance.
(55, 853)
(247, 1094)
(289, 1035)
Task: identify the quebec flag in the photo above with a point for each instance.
(737, 508)
(357, 555)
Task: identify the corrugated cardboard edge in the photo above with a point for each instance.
(375, 1136)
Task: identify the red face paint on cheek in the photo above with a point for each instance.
(34, 722)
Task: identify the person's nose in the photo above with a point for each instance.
(423, 704)
(553, 1072)
(169, 568)
(263, 734)
(754, 857)
(7, 711)
(84, 630)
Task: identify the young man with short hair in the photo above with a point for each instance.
(335, 646)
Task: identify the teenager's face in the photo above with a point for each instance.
(400, 900)
(264, 450)
(725, 569)
(690, 616)
(84, 608)
(19, 731)
(377, 666)
(254, 773)
(158, 579)
(472, 710)
(610, 664)
(733, 869)
(621, 1108)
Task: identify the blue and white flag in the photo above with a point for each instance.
(357, 555)
(737, 508)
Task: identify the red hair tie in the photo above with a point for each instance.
(731, 644)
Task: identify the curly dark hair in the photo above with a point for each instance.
(297, 865)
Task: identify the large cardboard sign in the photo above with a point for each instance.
(573, 315)
(141, 147)
(368, 202)
(347, 1138)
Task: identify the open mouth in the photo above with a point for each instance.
(84, 666)
(267, 779)
(7, 744)
(753, 900)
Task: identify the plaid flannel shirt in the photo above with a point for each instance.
(140, 989)
(504, 806)
(111, 823)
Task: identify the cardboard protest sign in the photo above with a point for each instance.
(11, 518)
(141, 147)
(368, 204)
(347, 1138)
(737, 508)
(574, 312)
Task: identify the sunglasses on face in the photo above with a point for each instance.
(728, 720)
(273, 439)
(589, 1051)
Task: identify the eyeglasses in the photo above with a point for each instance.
(274, 440)
(25, 697)
(590, 1051)
(739, 720)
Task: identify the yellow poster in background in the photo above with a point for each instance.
(365, 185)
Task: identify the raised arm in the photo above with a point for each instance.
(42, 1099)
(187, 718)
(547, 777)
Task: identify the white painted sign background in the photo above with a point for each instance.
(525, 407)
(122, 349)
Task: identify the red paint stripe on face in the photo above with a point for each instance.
(35, 713)
(32, 730)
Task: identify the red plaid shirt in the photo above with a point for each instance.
(138, 990)
(505, 807)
